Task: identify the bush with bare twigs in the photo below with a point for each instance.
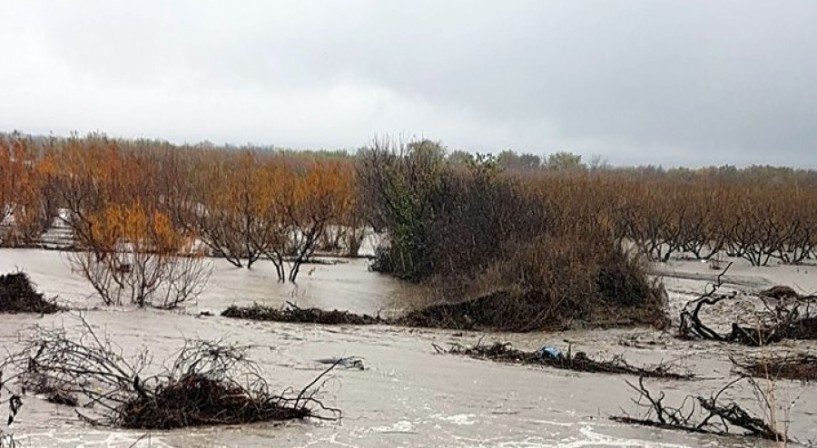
(159, 280)
(207, 383)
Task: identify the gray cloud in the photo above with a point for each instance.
(693, 83)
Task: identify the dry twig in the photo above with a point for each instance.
(207, 383)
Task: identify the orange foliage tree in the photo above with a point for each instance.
(127, 245)
(23, 215)
(251, 204)
(324, 194)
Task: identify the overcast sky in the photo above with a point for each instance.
(638, 82)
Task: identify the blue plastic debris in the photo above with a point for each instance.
(548, 352)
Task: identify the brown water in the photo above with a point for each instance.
(408, 395)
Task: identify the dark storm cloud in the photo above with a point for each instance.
(694, 82)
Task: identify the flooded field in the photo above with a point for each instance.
(408, 395)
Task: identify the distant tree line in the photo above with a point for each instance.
(144, 208)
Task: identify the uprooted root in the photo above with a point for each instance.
(786, 322)
(702, 415)
(295, 314)
(208, 383)
(17, 295)
(801, 367)
(579, 362)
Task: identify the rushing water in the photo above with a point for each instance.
(408, 395)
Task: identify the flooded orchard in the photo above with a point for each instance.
(407, 394)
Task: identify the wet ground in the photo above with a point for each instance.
(408, 395)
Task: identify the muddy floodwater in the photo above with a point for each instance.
(407, 395)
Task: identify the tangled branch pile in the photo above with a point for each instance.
(784, 321)
(579, 362)
(293, 313)
(800, 367)
(17, 295)
(702, 415)
(786, 324)
(208, 383)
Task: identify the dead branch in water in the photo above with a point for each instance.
(208, 383)
(294, 314)
(578, 362)
(789, 322)
(691, 326)
(702, 415)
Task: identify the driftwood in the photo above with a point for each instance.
(701, 414)
(293, 313)
(789, 322)
(579, 361)
(207, 383)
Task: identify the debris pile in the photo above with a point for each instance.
(548, 356)
(208, 383)
(17, 295)
(196, 400)
(293, 313)
(791, 320)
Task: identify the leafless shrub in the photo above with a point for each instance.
(143, 278)
(207, 383)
